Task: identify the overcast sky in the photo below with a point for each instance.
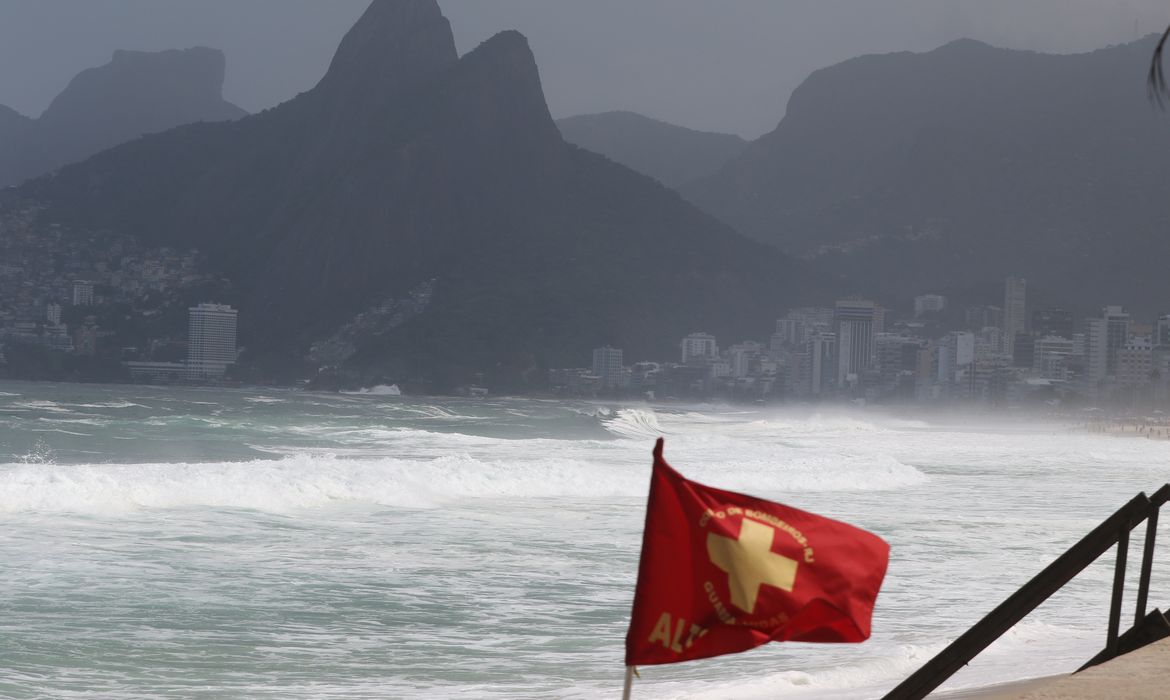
(724, 65)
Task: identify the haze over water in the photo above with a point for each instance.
(273, 544)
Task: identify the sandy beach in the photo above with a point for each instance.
(1155, 428)
(1140, 675)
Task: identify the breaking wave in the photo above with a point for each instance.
(307, 480)
(378, 390)
(633, 423)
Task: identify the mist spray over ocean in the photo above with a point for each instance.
(209, 543)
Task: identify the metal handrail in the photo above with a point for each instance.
(1114, 530)
(1160, 497)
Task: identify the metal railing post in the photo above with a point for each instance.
(1118, 591)
(1143, 593)
(1102, 538)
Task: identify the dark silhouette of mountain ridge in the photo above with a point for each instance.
(671, 154)
(136, 93)
(908, 172)
(410, 167)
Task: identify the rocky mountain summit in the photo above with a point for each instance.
(136, 93)
(932, 171)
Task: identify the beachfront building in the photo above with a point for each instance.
(1050, 357)
(741, 357)
(853, 326)
(1014, 311)
(817, 368)
(955, 353)
(211, 341)
(607, 366)
(699, 347)
(1116, 335)
(1135, 363)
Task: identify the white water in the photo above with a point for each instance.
(181, 543)
(378, 390)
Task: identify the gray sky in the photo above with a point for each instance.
(726, 65)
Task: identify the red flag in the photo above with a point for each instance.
(722, 572)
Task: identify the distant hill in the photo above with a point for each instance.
(671, 154)
(136, 93)
(935, 171)
(418, 214)
(12, 122)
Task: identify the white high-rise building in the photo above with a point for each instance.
(1096, 367)
(1015, 316)
(1116, 335)
(956, 353)
(699, 346)
(211, 340)
(607, 364)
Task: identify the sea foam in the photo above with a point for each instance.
(305, 480)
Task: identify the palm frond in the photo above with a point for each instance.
(1156, 80)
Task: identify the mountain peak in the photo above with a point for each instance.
(966, 44)
(394, 43)
(193, 75)
(509, 53)
(136, 93)
(500, 83)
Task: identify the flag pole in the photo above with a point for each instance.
(629, 683)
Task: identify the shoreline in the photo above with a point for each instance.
(1148, 428)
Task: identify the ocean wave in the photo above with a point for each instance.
(379, 390)
(37, 405)
(59, 430)
(294, 483)
(633, 423)
(74, 421)
(108, 404)
(797, 471)
(306, 480)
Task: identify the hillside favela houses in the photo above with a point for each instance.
(858, 351)
(106, 317)
(107, 308)
(73, 309)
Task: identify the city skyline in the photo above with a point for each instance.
(845, 353)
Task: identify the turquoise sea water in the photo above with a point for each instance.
(199, 543)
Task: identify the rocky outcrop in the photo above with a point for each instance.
(136, 93)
